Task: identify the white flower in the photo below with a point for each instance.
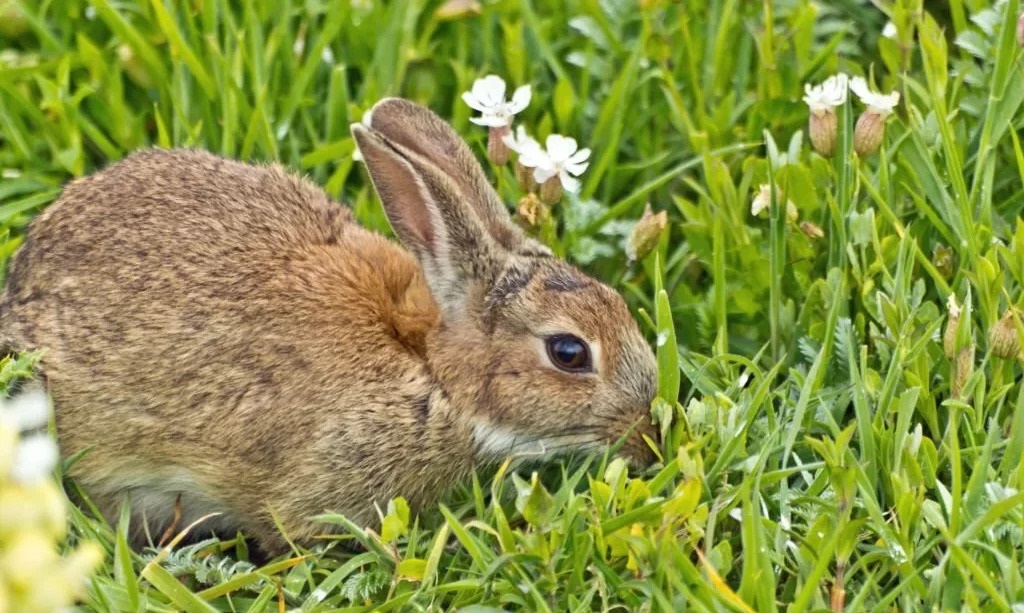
(26, 411)
(889, 31)
(883, 104)
(520, 141)
(828, 95)
(34, 458)
(488, 98)
(559, 158)
(762, 200)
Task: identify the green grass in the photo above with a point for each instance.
(821, 448)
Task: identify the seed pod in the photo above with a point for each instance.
(822, 130)
(524, 176)
(964, 366)
(1003, 339)
(551, 190)
(952, 322)
(646, 234)
(868, 133)
(497, 150)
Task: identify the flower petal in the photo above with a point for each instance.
(542, 173)
(560, 147)
(490, 90)
(859, 86)
(575, 169)
(579, 157)
(473, 102)
(34, 458)
(520, 99)
(491, 120)
(26, 411)
(568, 183)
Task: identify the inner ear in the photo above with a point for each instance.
(403, 194)
(419, 130)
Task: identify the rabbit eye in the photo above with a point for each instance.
(569, 353)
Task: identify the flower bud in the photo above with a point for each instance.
(812, 230)
(822, 130)
(868, 133)
(792, 213)
(1003, 339)
(551, 190)
(532, 211)
(524, 176)
(457, 9)
(952, 323)
(1020, 30)
(497, 150)
(964, 367)
(13, 23)
(646, 234)
(942, 259)
(134, 68)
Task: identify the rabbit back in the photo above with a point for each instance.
(220, 330)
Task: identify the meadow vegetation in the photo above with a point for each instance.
(840, 387)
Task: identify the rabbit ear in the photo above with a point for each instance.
(419, 130)
(429, 214)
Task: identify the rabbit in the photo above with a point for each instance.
(221, 337)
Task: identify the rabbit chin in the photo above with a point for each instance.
(496, 442)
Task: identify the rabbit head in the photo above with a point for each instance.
(534, 356)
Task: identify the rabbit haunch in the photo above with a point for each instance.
(225, 334)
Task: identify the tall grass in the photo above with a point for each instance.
(823, 449)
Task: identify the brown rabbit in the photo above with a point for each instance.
(228, 334)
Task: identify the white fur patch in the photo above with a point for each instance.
(494, 440)
(154, 497)
(500, 442)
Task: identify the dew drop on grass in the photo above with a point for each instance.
(662, 338)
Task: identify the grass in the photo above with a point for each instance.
(823, 448)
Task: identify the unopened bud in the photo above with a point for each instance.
(822, 130)
(812, 230)
(792, 213)
(457, 9)
(13, 22)
(551, 190)
(646, 234)
(524, 176)
(964, 366)
(497, 150)
(1003, 339)
(1020, 30)
(942, 259)
(868, 133)
(952, 323)
(532, 211)
(132, 67)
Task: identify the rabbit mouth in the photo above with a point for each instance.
(497, 442)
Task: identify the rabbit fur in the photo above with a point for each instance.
(225, 336)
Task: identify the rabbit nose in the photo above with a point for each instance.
(636, 449)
